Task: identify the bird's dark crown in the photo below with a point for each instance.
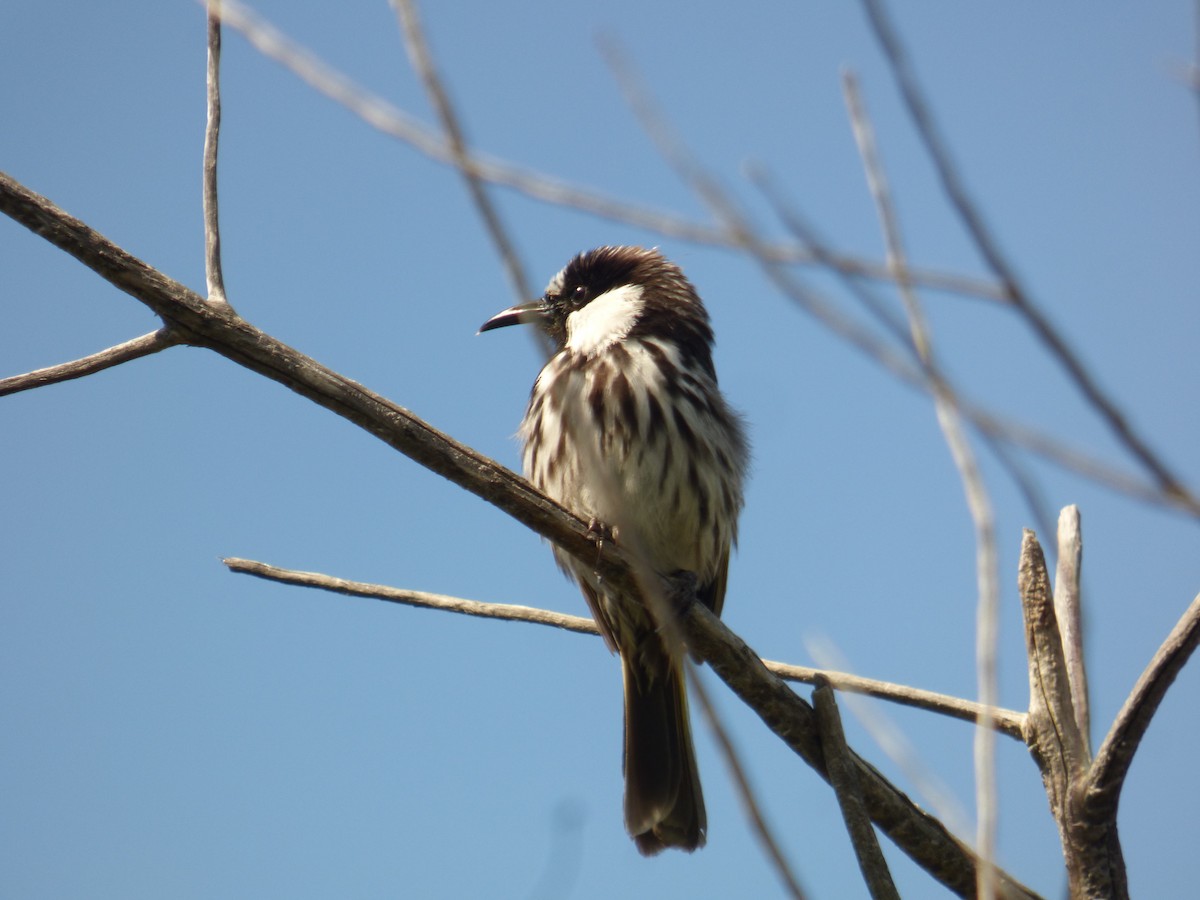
(671, 310)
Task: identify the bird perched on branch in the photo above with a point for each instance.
(627, 428)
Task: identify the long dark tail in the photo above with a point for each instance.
(663, 803)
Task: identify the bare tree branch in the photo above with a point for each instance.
(1116, 753)
(212, 132)
(842, 777)
(1061, 454)
(1068, 612)
(915, 832)
(1006, 721)
(420, 599)
(972, 219)
(96, 362)
(1052, 720)
(220, 329)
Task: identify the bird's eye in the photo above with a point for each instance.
(579, 295)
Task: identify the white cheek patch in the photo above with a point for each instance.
(605, 320)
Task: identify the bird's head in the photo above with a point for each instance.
(612, 294)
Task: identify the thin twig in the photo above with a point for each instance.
(1050, 448)
(972, 219)
(423, 599)
(1006, 721)
(978, 501)
(96, 362)
(422, 62)
(212, 132)
(845, 784)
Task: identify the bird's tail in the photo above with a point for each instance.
(663, 803)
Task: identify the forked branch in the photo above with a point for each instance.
(1091, 847)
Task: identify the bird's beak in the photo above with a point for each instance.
(522, 314)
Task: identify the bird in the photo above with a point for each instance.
(627, 428)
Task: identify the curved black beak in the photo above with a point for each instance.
(521, 314)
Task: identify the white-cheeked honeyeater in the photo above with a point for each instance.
(627, 428)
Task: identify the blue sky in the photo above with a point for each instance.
(170, 729)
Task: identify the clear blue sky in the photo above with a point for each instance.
(168, 729)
